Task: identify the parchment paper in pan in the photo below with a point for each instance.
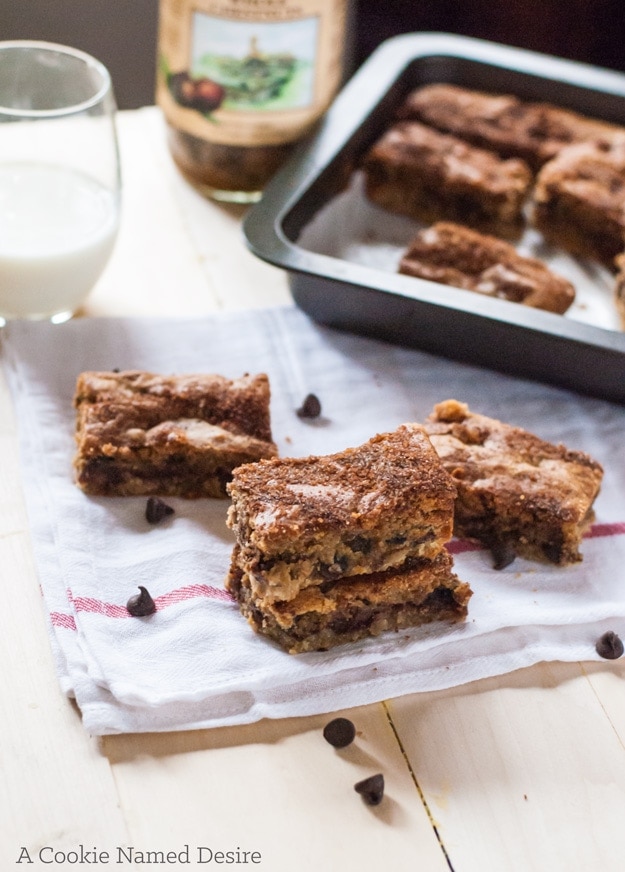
(351, 228)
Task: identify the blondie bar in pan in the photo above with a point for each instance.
(139, 433)
(579, 201)
(429, 176)
(517, 493)
(334, 548)
(455, 255)
(503, 123)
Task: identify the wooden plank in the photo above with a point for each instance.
(278, 788)
(520, 772)
(607, 683)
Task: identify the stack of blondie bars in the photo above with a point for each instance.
(334, 548)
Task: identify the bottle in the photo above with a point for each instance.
(240, 82)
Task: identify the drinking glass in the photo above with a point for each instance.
(60, 185)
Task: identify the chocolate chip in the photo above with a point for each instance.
(503, 553)
(310, 408)
(141, 604)
(339, 733)
(609, 646)
(553, 552)
(371, 789)
(156, 510)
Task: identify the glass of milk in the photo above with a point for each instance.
(60, 183)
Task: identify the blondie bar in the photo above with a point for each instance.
(179, 435)
(334, 548)
(357, 606)
(455, 255)
(427, 175)
(517, 494)
(579, 201)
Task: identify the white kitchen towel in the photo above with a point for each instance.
(196, 662)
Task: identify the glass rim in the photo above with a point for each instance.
(68, 51)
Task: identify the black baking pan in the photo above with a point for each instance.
(457, 324)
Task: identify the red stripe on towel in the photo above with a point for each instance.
(605, 530)
(190, 592)
(112, 610)
(88, 604)
(60, 620)
(459, 546)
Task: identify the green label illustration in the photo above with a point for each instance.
(255, 65)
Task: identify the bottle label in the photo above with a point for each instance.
(249, 72)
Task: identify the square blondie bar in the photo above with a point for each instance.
(455, 255)
(417, 171)
(517, 493)
(579, 201)
(354, 607)
(139, 433)
(334, 548)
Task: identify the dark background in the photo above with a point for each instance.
(591, 31)
(122, 33)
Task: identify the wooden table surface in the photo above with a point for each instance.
(522, 772)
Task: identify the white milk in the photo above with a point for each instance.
(57, 229)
